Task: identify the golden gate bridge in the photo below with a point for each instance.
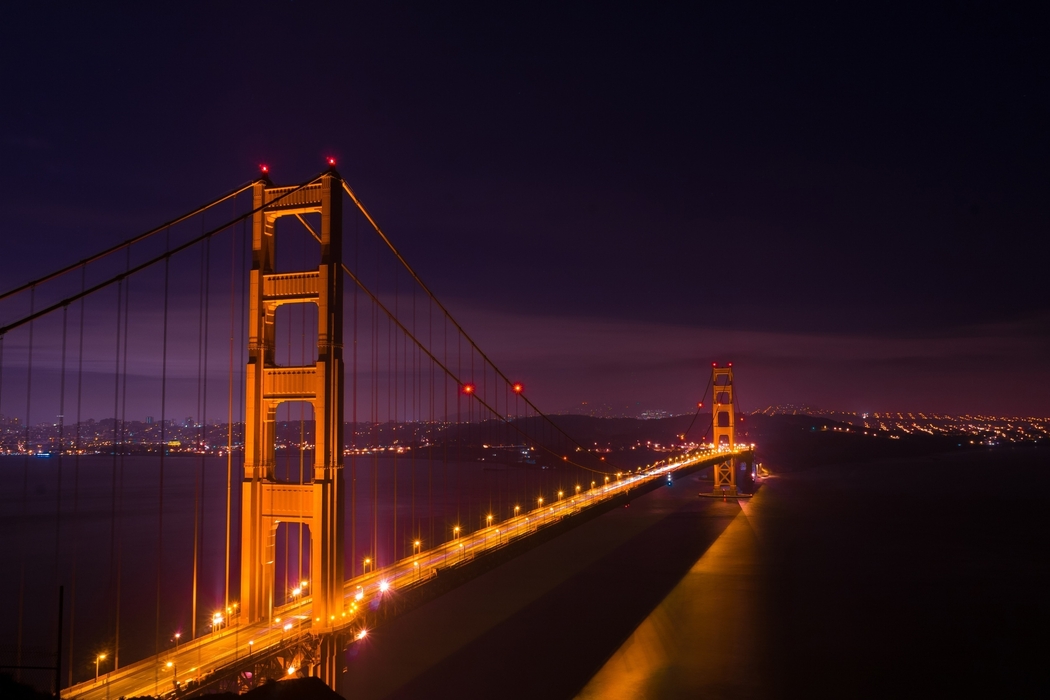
(350, 451)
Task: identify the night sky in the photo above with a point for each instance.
(848, 203)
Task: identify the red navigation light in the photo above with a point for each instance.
(714, 364)
(331, 161)
(700, 404)
(566, 459)
(518, 388)
(263, 168)
(468, 388)
(729, 364)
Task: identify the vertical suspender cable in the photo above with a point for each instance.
(25, 487)
(76, 486)
(113, 533)
(229, 422)
(122, 452)
(61, 428)
(202, 418)
(163, 452)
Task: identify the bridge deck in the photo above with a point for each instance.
(209, 654)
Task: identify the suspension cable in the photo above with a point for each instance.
(390, 314)
(419, 281)
(125, 244)
(152, 261)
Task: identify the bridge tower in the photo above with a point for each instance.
(266, 502)
(723, 427)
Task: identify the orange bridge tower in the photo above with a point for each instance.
(723, 427)
(318, 504)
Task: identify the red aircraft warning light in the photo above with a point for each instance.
(518, 387)
(700, 404)
(264, 169)
(331, 161)
(468, 388)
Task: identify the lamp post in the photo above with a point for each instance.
(98, 658)
(517, 509)
(368, 562)
(416, 546)
(455, 532)
(177, 636)
(488, 520)
(174, 674)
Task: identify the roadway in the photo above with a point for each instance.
(234, 642)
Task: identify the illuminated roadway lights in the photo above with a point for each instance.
(518, 387)
(384, 585)
(360, 593)
(517, 509)
(174, 673)
(368, 562)
(455, 533)
(98, 658)
(177, 635)
(488, 520)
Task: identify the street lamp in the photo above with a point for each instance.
(516, 510)
(251, 643)
(577, 489)
(368, 562)
(98, 658)
(177, 636)
(455, 532)
(488, 520)
(415, 546)
(174, 674)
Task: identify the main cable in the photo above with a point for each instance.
(125, 244)
(448, 315)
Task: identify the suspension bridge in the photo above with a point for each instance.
(239, 441)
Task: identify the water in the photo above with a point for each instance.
(96, 524)
(914, 577)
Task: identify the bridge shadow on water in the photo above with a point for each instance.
(542, 624)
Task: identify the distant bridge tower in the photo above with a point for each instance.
(266, 502)
(723, 426)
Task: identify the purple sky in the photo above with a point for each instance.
(848, 203)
